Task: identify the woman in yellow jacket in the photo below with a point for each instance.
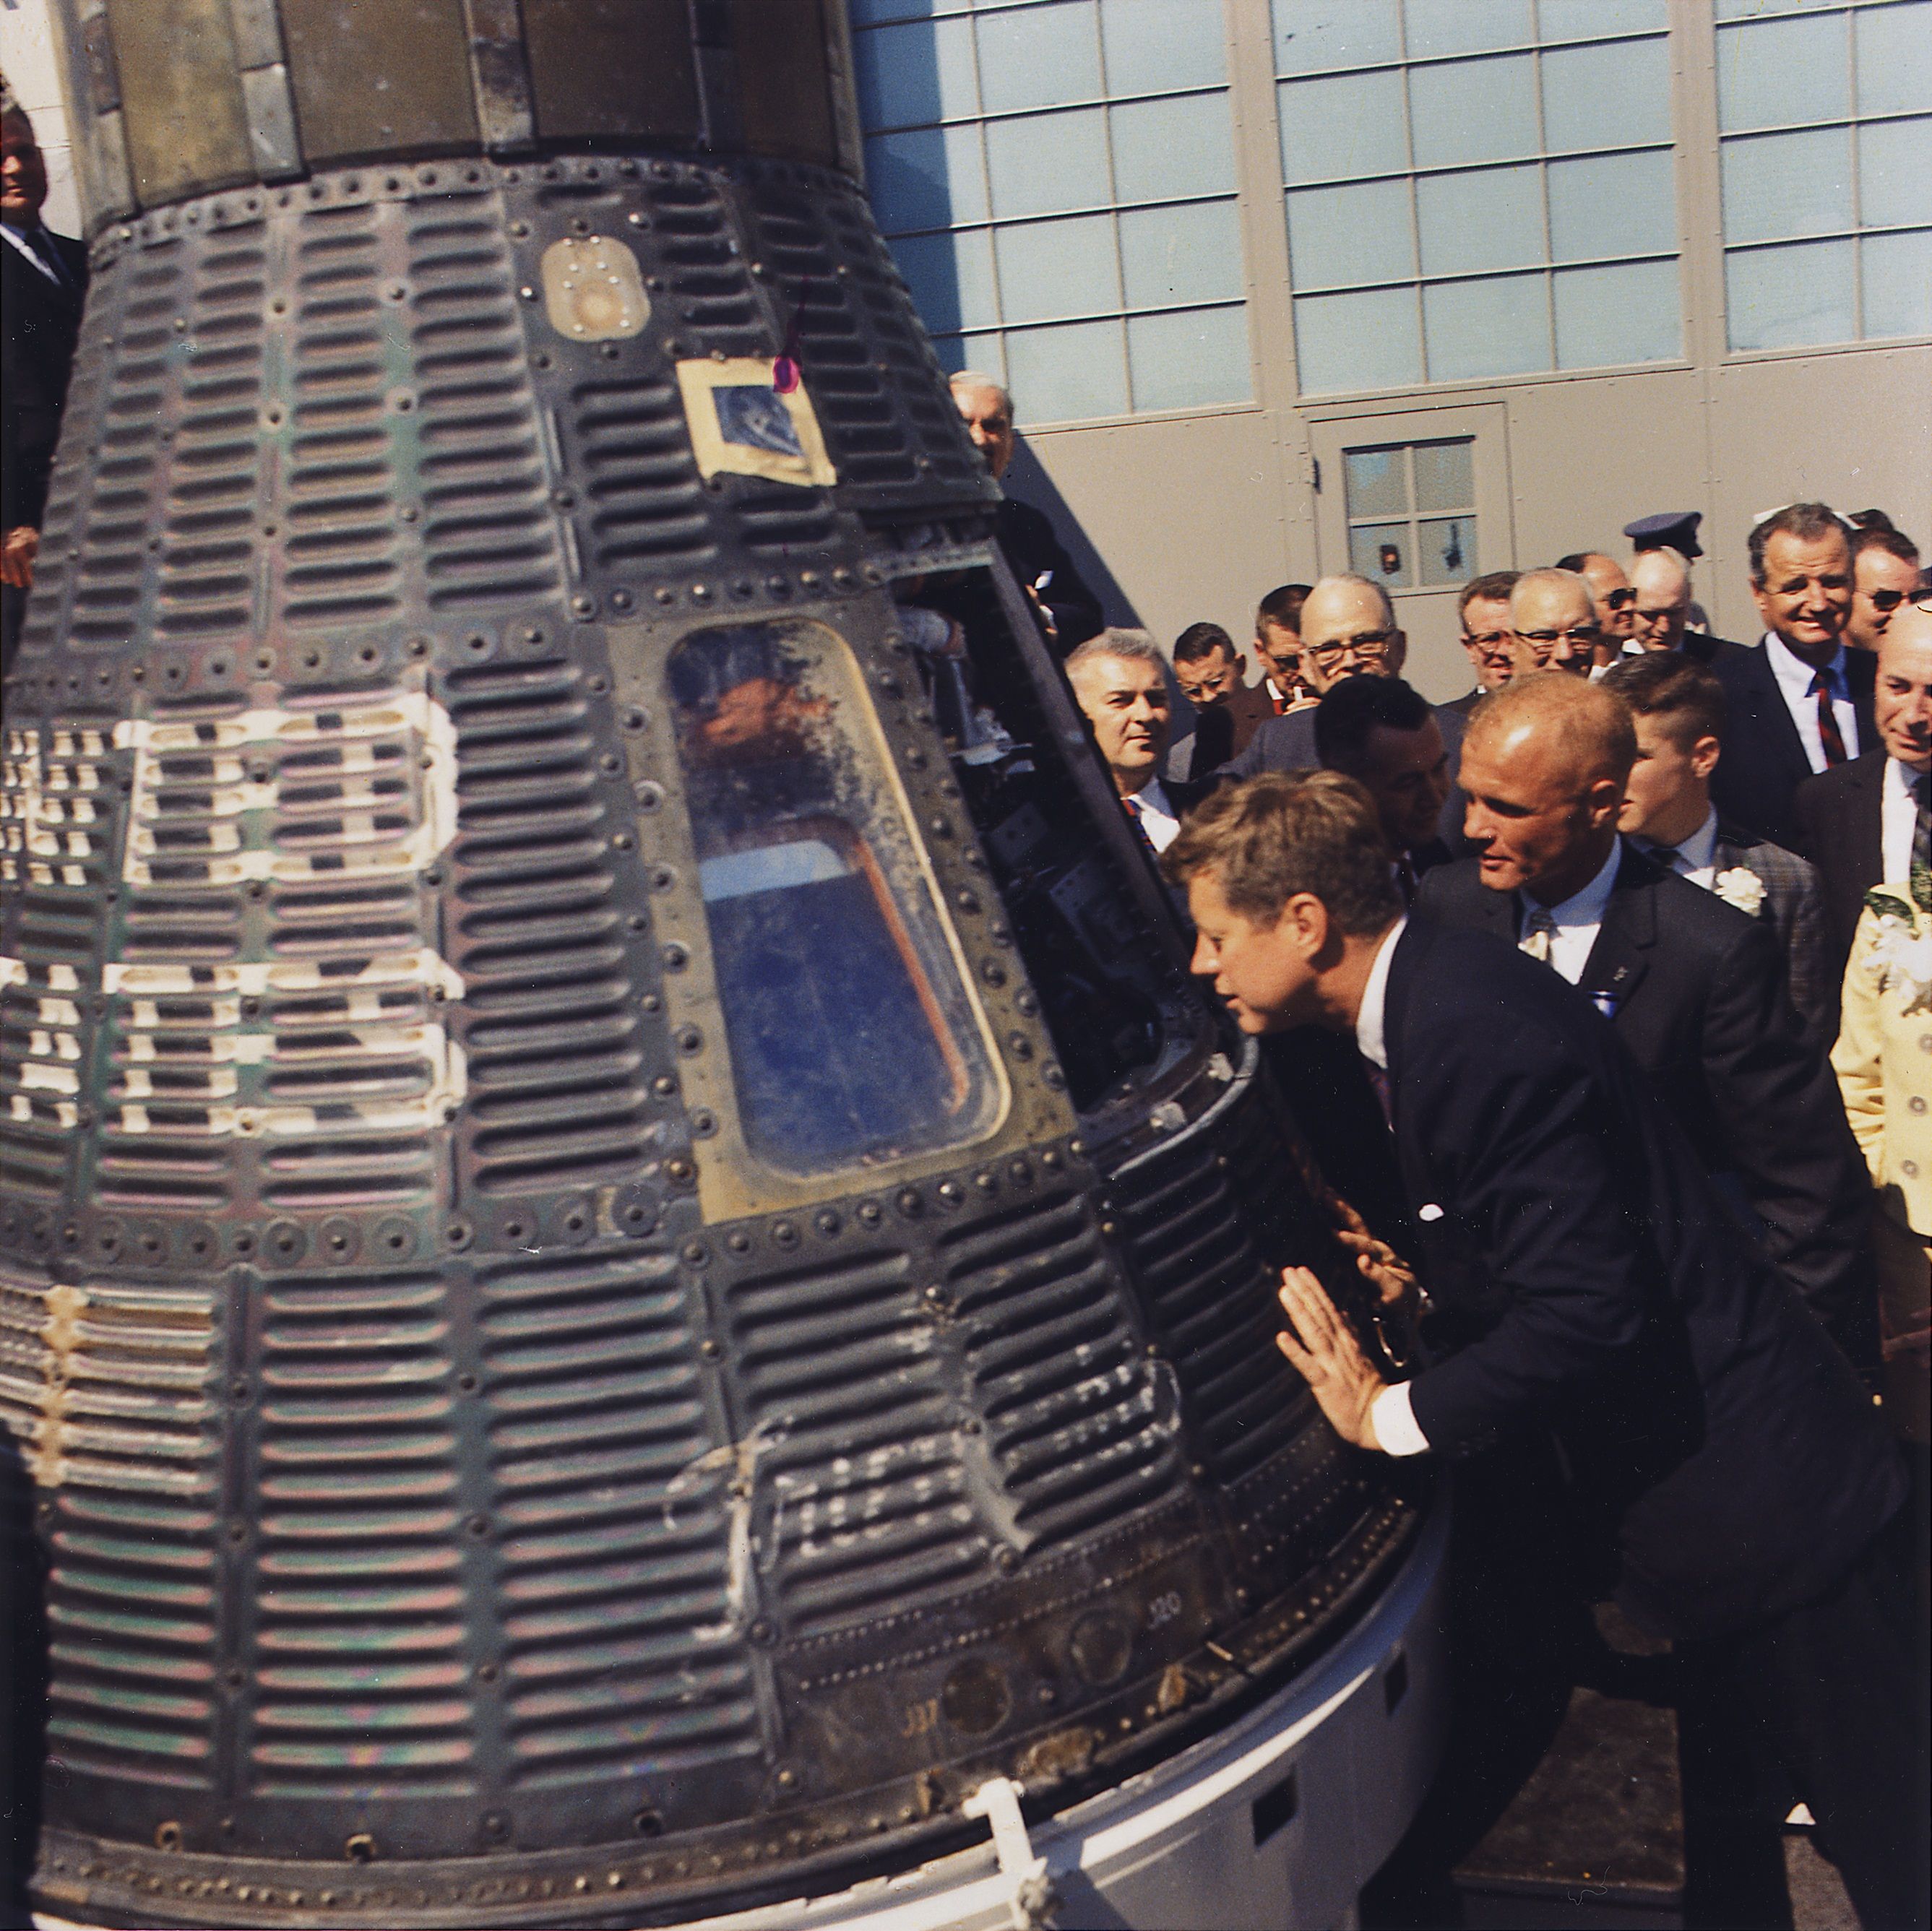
(1883, 1059)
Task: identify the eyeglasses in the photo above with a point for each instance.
(1370, 643)
(1886, 601)
(1619, 600)
(1663, 617)
(1575, 634)
(1487, 640)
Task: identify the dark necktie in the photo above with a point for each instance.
(1828, 734)
(1921, 828)
(1404, 878)
(41, 244)
(1665, 855)
(1378, 1080)
(1133, 805)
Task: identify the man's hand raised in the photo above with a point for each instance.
(1324, 1351)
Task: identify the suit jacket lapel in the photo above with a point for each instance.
(1617, 960)
(1768, 702)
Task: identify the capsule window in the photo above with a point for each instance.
(852, 1036)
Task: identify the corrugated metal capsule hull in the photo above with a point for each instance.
(620, 1278)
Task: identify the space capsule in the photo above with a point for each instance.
(633, 1285)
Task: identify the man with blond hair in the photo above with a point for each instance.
(1695, 988)
(1724, 1469)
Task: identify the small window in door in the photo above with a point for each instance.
(1411, 513)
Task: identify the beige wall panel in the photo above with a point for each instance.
(1853, 430)
(1192, 515)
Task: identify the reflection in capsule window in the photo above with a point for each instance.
(853, 1038)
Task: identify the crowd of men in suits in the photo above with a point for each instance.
(1726, 850)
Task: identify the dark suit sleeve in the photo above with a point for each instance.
(1526, 1151)
(1780, 1117)
(1034, 549)
(1813, 991)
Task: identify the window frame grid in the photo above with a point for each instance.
(1849, 12)
(1413, 516)
(1000, 330)
(1545, 272)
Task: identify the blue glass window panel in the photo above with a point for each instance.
(1164, 148)
(1789, 297)
(1472, 222)
(1499, 327)
(1048, 269)
(1369, 340)
(1317, 36)
(1613, 96)
(1185, 254)
(1068, 374)
(1585, 20)
(1895, 173)
(926, 178)
(1784, 73)
(984, 353)
(1439, 27)
(1039, 56)
(1895, 58)
(1445, 548)
(951, 277)
(1375, 482)
(1777, 185)
(1612, 205)
(1048, 164)
(1608, 316)
(865, 13)
(1153, 46)
(1898, 283)
(1382, 552)
(1193, 359)
(1358, 233)
(1445, 475)
(1349, 124)
(910, 75)
(1476, 110)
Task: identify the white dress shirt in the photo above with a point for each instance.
(1897, 819)
(1390, 1414)
(1794, 678)
(1158, 822)
(1578, 919)
(1697, 857)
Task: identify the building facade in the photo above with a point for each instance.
(1420, 288)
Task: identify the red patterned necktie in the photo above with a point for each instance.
(1829, 734)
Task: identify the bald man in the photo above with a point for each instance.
(1553, 623)
(1610, 592)
(1661, 579)
(1069, 612)
(1696, 989)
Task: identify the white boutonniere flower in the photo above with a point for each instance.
(1740, 886)
(1901, 956)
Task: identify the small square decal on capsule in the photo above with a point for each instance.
(744, 423)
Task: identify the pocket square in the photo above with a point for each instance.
(1431, 1212)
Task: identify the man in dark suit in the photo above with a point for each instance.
(1678, 707)
(1587, 1279)
(1694, 988)
(1861, 824)
(1228, 709)
(1383, 733)
(1069, 610)
(1119, 682)
(1801, 702)
(1661, 579)
(1483, 609)
(1347, 630)
(43, 284)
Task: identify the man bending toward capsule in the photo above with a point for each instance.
(1588, 1281)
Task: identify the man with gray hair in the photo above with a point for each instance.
(1119, 682)
(1661, 578)
(1068, 610)
(1553, 623)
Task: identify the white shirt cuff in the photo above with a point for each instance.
(1395, 1423)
